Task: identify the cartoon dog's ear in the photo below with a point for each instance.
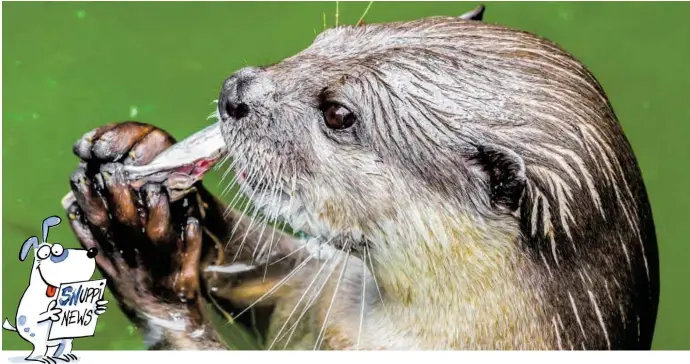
(47, 224)
(31, 242)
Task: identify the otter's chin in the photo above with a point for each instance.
(280, 208)
(301, 222)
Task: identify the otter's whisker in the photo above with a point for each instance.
(320, 338)
(364, 290)
(288, 255)
(293, 191)
(271, 200)
(376, 283)
(275, 223)
(270, 244)
(298, 249)
(256, 206)
(261, 180)
(235, 202)
(253, 219)
(237, 198)
(250, 173)
(294, 309)
(221, 165)
(276, 286)
(233, 182)
(361, 18)
(229, 187)
(312, 300)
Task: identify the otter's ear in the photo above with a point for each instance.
(476, 14)
(506, 171)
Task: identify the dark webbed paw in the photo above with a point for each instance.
(150, 248)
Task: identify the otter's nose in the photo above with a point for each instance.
(91, 253)
(231, 99)
(234, 110)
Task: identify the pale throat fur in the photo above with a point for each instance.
(431, 277)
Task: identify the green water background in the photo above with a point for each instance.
(69, 67)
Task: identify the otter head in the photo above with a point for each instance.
(370, 123)
(433, 129)
(470, 157)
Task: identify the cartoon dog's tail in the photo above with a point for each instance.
(8, 326)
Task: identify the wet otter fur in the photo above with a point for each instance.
(465, 186)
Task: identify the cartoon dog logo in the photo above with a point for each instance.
(53, 266)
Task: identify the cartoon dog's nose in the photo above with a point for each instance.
(91, 253)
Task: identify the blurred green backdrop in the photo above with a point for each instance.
(68, 67)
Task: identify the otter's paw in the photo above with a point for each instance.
(148, 248)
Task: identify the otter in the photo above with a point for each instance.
(461, 185)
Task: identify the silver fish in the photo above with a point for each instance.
(178, 167)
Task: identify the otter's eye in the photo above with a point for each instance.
(338, 116)
(57, 250)
(43, 252)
